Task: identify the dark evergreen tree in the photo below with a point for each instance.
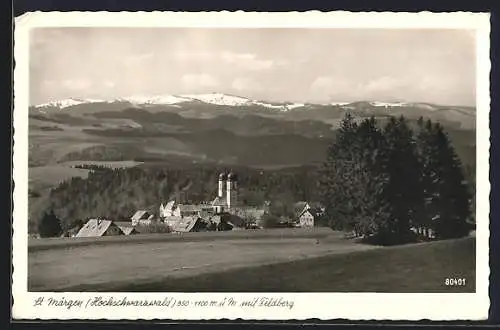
(449, 203)
(336, 178)
(401, 185)
(427, 154)
(49, 225)
(350, 187)
(373, 206)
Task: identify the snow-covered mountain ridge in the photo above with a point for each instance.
(221, 99)
(211, 98)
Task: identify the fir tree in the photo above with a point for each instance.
(401, 185)
(349, 185)
(335, 187)
(49, 225)
(450, 195)
(427, 155)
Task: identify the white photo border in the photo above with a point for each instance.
(323, 306)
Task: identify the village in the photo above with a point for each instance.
(223, 213)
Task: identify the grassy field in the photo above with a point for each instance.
(51, 175)
(245, 262)
(405, 269)
(321, 233)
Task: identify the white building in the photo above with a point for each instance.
(226, 200)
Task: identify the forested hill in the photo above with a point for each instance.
(118, 193)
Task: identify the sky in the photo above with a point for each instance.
(280, 64)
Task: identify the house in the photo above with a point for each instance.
(167, 210)
(142, 217)
(309, 216)
(72, 231)
(189, 224)
(219, 204)
(99, 228)
(126, 227)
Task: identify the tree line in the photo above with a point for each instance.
(394, 184)
(117, 193)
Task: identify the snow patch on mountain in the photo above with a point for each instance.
(387, 104)
(218, 99)
(61, 104)
(222, 99)
(155, 99)
(339, 103)
(280, 107)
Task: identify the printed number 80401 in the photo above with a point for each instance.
(454, 281)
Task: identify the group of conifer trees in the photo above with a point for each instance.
(395, 184)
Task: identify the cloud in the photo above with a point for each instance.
(76, 84)
(193, 56)
(236, 57)
(328, 83)
(247, 61)
(245, 84)
(199, 80)
(330, 87)
(131, 59)
(322, 83)
(109, 84)
(382, 84)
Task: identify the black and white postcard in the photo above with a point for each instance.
(255, 166)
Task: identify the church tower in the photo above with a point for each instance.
(222, 182)
(232, 190)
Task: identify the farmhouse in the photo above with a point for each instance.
(98, 228)
(142, 217)
(189, 224)
(173, 209)
(309, 215)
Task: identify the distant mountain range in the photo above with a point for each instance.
(211, 98)
(222, 99)
(216, 104)
(216, 127)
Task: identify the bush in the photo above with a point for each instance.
(386, 238)
(270, 221)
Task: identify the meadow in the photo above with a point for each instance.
(291, 260)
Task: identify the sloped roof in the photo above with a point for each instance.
(125, 226)
(94, 228)
(123, 223)
(219, 201)
(127, 230)
(315, 212)
(185, 225)
(189, 207)
(140, 215)
(169, 206)
(234, 219)
(300, 207)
